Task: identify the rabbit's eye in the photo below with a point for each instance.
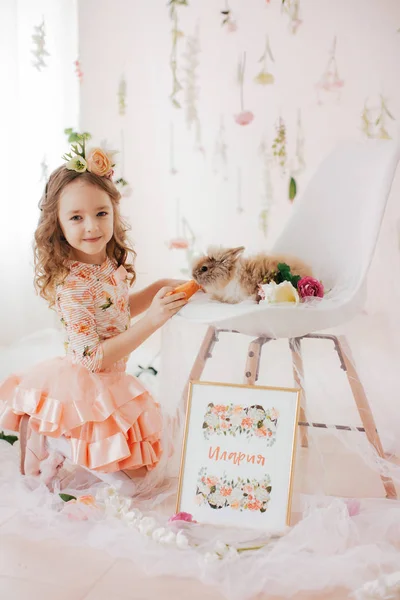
(204, 269)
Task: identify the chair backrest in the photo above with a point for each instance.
(336, 222)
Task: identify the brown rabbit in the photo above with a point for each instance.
(228, 277)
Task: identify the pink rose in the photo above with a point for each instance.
(98, 162)
(244, 118)
(182, 516)
(309, 287)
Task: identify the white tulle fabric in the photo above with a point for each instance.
(334, 542)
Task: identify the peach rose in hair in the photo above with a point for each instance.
(98, 162)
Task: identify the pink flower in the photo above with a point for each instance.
(178, 244)
(244, 118)
(231, 27)
(339, 83)
(353, 507)
(309, 287)
(182, 516)
(261, 431)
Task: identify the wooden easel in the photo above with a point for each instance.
(346, 363)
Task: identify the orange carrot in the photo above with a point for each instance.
(189, 288)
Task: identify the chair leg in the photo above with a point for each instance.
(298, 374)
(209, 341)
(364, 409)
(253, 360)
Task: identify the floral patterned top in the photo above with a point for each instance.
(93, 305)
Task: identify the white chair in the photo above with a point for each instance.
(334, 228)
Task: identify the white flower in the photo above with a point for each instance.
(257, 414)
(282, 292)
(147, 525)
(216, 499)
(261, 494)
(77, 163)
(221, 547)
(132, 518)
(211, 557)
(232, 554)
(211, 419)
(169, 539)
(158, 534)
(181, 541)
(237, 418)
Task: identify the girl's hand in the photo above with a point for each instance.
(163, 308)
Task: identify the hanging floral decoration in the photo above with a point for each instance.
(172, 168)
(191, 63)
(221, 151)
(268, 192)
(330, 80)
(279, 151)
(185, 239)
(375, 120)
(44, 170)
(239, 206)
(177, 34)
(227, 20)
(292, 9)
(39, 51)
(78, 70)
(122, 97)
(298, 163)
(264, 77)
(245, 117)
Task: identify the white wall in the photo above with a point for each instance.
(132, 38)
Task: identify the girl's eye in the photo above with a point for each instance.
(103, 213)
(75, 218)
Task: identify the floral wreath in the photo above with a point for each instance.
(235, 420)
(238, 494)
(96, 160)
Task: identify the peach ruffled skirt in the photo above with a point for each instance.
(109, 418)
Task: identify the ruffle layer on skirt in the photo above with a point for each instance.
(111, 420)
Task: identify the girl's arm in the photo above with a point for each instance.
(161, 309)
(139, 302)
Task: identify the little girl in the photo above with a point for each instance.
(82, 268)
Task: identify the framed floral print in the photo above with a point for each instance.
(238, 455)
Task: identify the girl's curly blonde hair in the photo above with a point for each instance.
(51, 250)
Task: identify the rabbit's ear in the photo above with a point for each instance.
(232, 253)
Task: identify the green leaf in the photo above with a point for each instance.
(66, 497)
(292, 189)
(283, 273)
(10, 439)
(68, 130)
(389, 114)
(295, 280)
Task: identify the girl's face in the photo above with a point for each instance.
(86, 218)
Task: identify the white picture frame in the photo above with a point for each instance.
(238, 455)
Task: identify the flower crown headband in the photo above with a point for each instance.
(79, 159)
